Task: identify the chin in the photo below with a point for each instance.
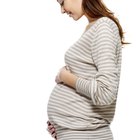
(76, 18)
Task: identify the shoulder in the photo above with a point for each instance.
(105, 25)
(105, 22)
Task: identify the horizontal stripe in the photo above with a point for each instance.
(96, 59)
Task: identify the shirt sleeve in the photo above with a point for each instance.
(102, 89)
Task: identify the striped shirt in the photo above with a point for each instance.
(96, 59)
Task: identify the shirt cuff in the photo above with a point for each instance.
(84, 87)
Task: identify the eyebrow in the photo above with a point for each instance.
(60, 1)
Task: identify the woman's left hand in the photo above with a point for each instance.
(51, 130)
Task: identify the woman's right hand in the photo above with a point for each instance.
(58, 77)
(51, 130)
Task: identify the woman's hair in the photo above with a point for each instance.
(97, 9)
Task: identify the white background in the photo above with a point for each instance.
(34, 36)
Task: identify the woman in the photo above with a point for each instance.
(82, 104)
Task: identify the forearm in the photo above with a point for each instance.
(81, 85)
(96, 88)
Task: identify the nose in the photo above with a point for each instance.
(62, 10)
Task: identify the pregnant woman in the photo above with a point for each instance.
(82, 104)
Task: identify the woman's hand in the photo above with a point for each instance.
(51, 130)
(59, 76)
(65, 76)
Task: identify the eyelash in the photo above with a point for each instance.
(62, 3)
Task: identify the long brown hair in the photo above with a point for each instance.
(97, 9)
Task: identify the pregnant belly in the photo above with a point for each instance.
(67, 108)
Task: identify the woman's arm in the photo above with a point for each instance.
(103, 87)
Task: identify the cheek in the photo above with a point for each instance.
(78, 8)
(79, 12)
(68, 5)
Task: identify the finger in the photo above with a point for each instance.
(48, 122)
(57, 79)
(67, 68)
(54, 135)
(50, 126)
(51, 129)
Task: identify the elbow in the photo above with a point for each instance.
(104, 97)
(108, 101)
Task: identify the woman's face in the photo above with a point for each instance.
(72, 7)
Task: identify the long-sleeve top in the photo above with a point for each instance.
(96, 59)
